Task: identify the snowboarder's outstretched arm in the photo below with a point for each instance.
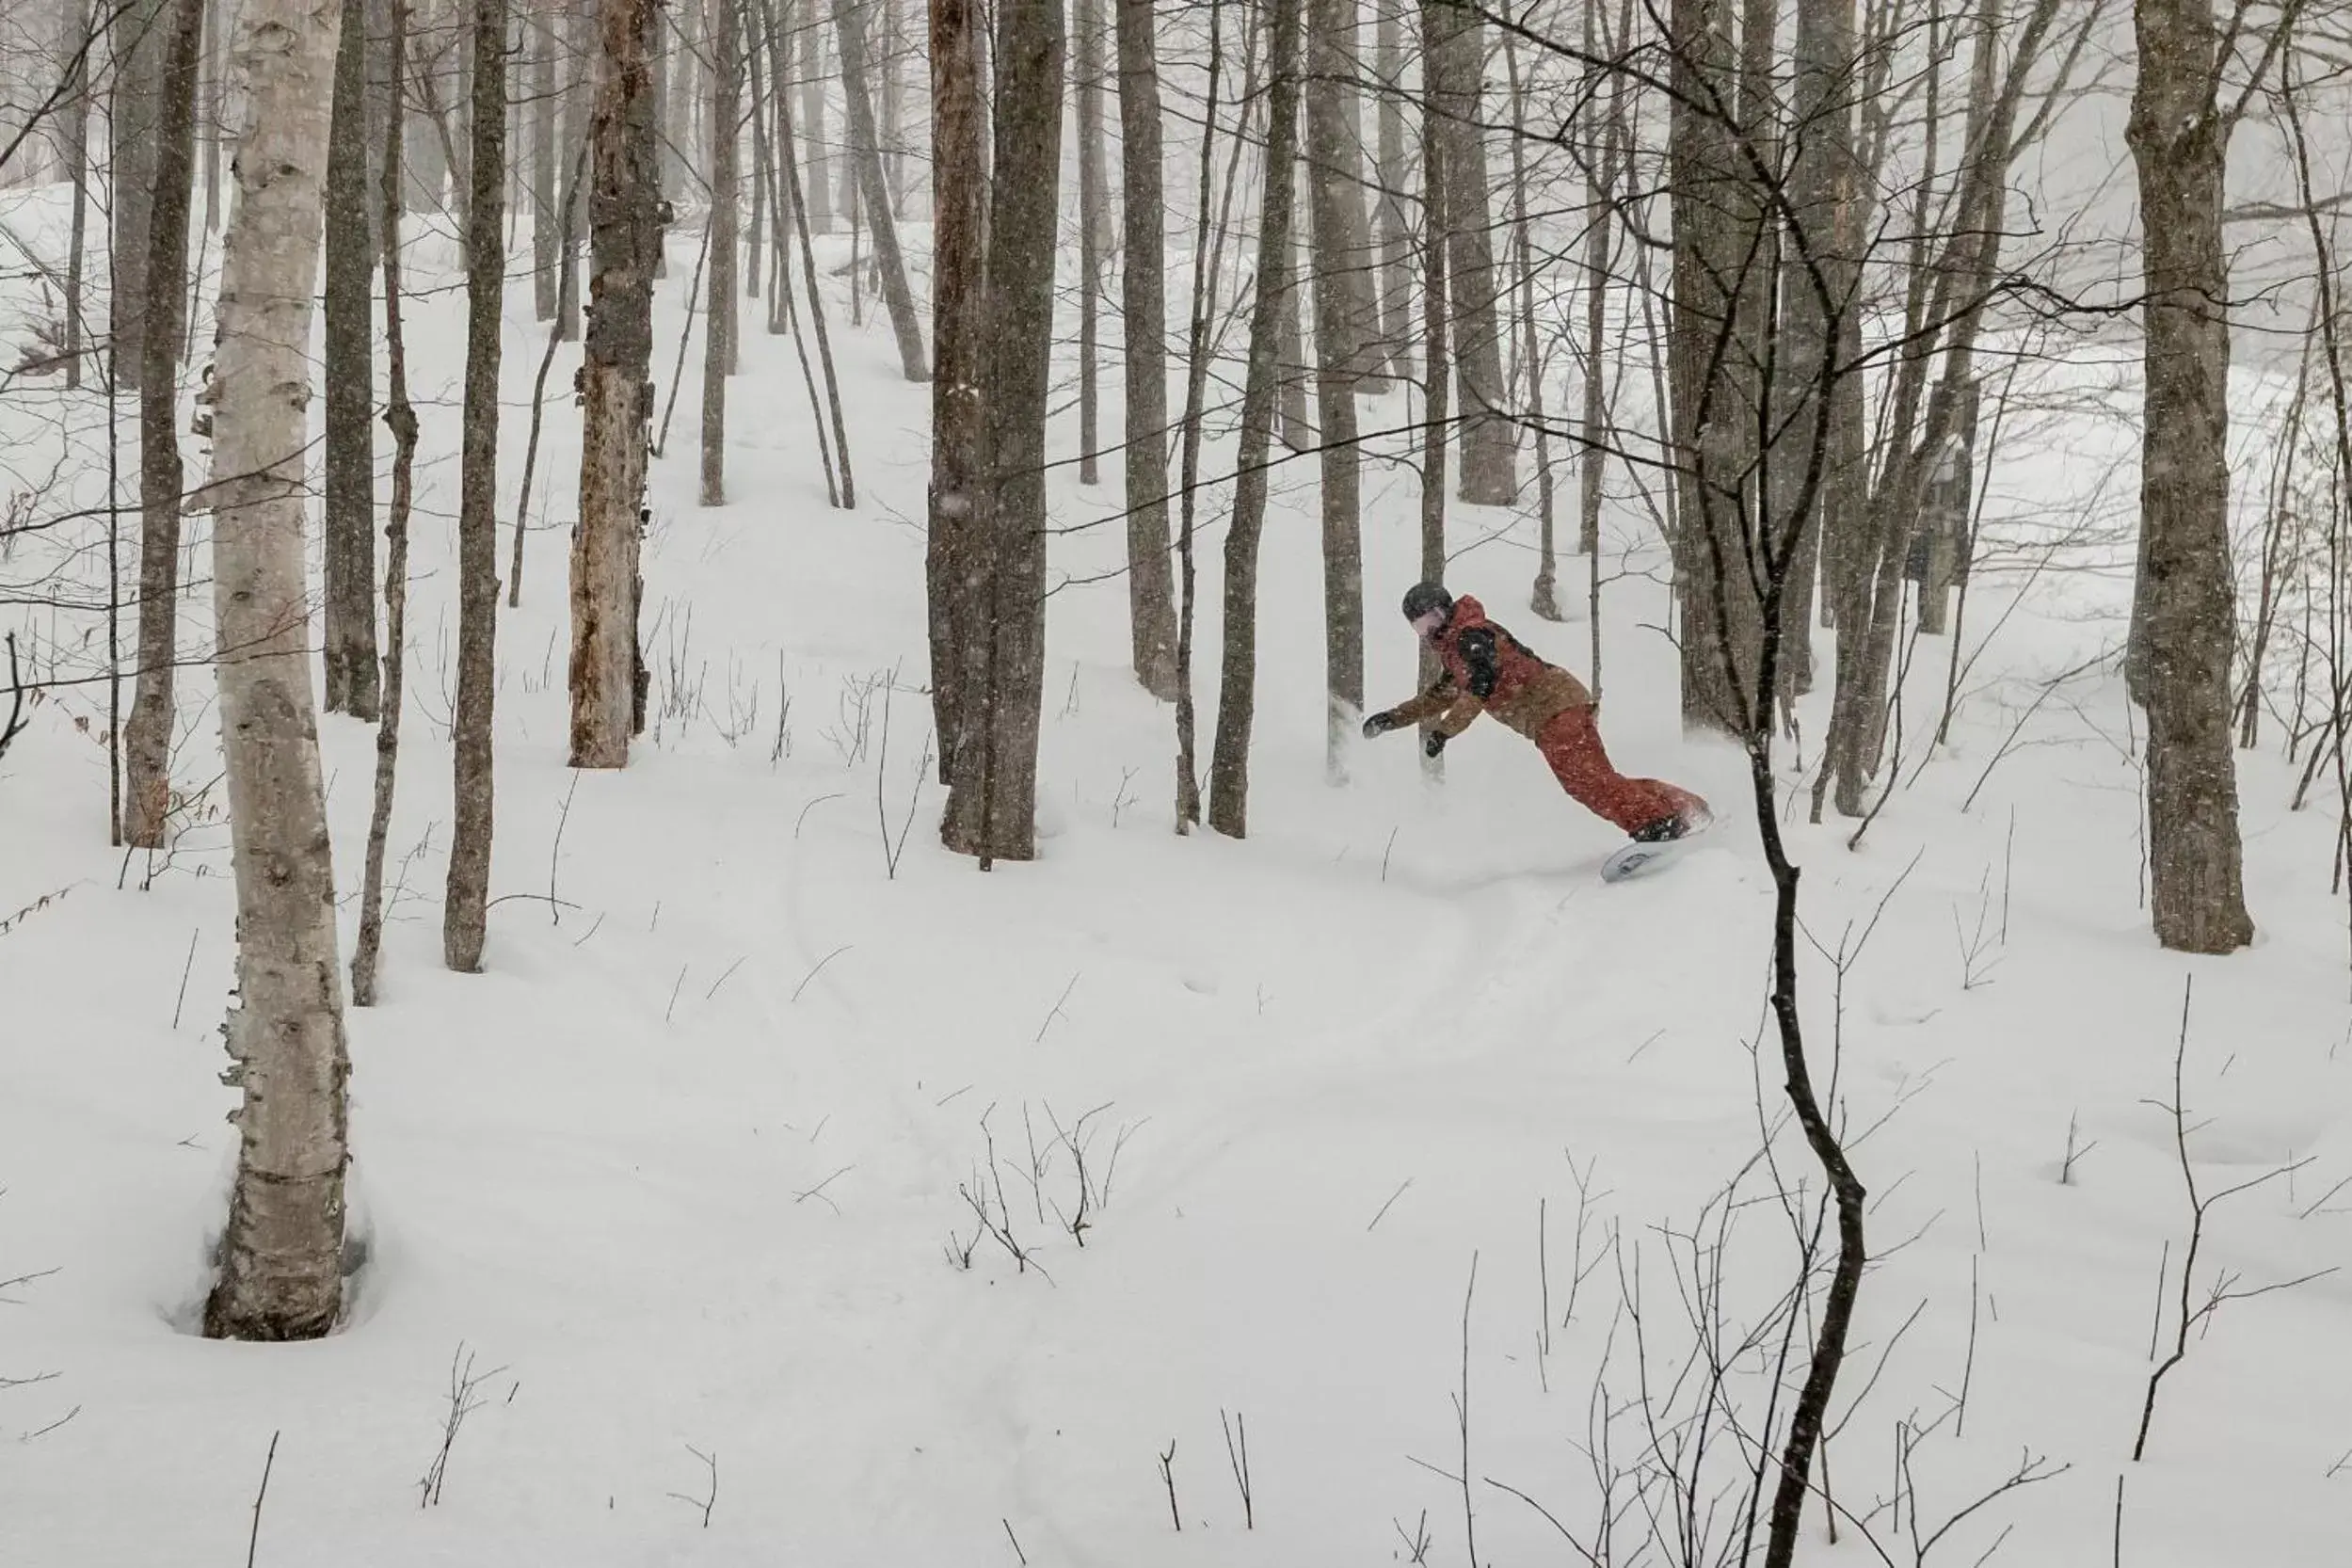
(1446, 707)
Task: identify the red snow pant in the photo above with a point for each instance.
(1571, 742)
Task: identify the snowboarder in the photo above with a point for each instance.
(1486, 669)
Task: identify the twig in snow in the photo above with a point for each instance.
(1057, 1012)
(723, 979)
(1390, 1204)
(1016, 1543)
(186, 970)
(463, 1381)
(554, 907)
(818, 1191)
(810, 806)
(1240, 1461)
(675, 986)
(1968, 1366)
(1417, 1543)
(711, 1500)
(813, 973)
(2074, 1150)
(1167, 1475)
(253, 1541)
(1462, 1416)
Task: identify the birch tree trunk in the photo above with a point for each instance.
(465, 914)
(2179, 134)
(147, 736)
(1237, 691)
(955, 558)
(898, 295)
(616, 388)
(280, 1254)
(1144, 300)
(352, 674)
(999, 776)
(720, 297)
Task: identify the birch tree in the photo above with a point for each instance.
(280, 1253)
(616, 387)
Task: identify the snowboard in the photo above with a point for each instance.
(1639, 859)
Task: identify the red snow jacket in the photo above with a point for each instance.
(1486, 669)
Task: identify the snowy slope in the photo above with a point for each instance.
(681, 1170)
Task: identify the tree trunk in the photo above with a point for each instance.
(1544, 599)
(350, 476)
(956, 557)
(465, 914)
(1488, 447)
(866, 154)
(616, 388)
(1436, 314)
(992, 799)
(1712, 426)
(2179, 135)
(1237, 691)
(546, 222)
(79, 46)
(1335, 133)
(1346, 328)
(1086, 67)
(280, 1255)
(1143, 302)
(1396, 234)
(578, 47)
(400, 416)
(138, 41)
(1295, 424)
(718, 358)
(818, 184)
(147, 737)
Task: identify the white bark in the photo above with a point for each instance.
(280, 1264)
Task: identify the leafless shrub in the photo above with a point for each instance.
(1167, 1477)
(465, 1398)
(710, 1499)
(1237, 1457)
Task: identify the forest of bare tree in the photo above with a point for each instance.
(493, 489)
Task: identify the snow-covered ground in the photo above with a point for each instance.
(684, 1173)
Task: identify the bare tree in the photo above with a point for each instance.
(147, 738)
(77, 87)
(955, 558)
(2179, 134)
(138, 41)
(992, 796)
(720, 299)
(465, 916)
(350, 477)
(616, 388)
(1347, 331)
(1396, 233)
(1456, 56)
(1144, 300)
(546, 231)
(1093, 241)
(1237, 691)
(280, 1255)
(400, 416)
(898, 297)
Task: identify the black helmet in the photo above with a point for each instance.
(1423, 597)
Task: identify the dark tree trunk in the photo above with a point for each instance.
(1346, 333)
(352, 670)
(955, 560)
(898, 295)
(547, 232)
(465, 914)
(1489, 443)
(616, 386)
(1237, 691)
(992, 797)
(720, 299)
(147, 738)
(1144, 300)
(2179, 134)
(1086, 70)
(1344, 256)
(137, 39)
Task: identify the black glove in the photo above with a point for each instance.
(1435, 743)
(1379, 725)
